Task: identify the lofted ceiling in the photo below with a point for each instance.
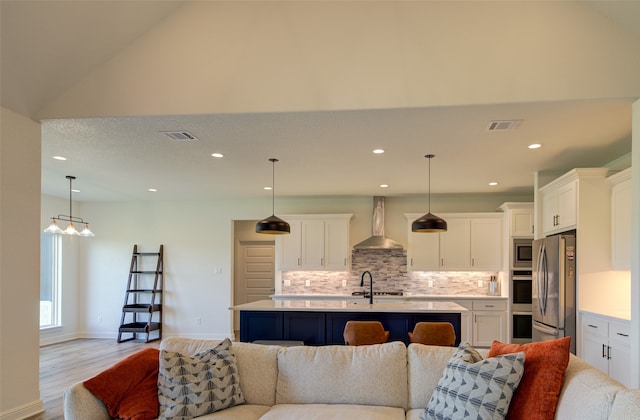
(49, 47)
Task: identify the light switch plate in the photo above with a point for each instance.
(307, 282)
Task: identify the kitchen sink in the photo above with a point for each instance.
(385, 293)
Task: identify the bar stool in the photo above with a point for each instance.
(433, 333)
(359, 333)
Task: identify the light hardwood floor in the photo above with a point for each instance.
(63, 364)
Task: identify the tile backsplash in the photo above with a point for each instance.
(389, 270)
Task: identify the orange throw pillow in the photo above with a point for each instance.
(129, 388)
(545, 362)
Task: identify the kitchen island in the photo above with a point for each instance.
(321, 322)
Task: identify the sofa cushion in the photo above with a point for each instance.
(238, 412)
(190, 386)
(332, 412)
(586, 393)
(546, 362)
(626, 405)
(370, 375)
(129, 388)
(473, 387)
(426, 364)
(257, 365)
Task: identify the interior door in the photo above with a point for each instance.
(254, 274)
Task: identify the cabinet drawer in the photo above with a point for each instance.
(595, 326)
(620, 332)
(490, 305)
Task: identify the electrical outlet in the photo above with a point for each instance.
(198, 321)
(430, 283)
(344, 283)
(480, 283)
(307, 282)
(287, 282)
(100, 319)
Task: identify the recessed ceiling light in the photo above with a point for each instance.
(378, 151)
(59, 158)
(152, 190)
(268, 188)
(384, 185)
(493, 183)
(217, 155)
(535, 146)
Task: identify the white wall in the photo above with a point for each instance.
(19, 265)
(635, 248)
(198, 239)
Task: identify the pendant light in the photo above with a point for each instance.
(71, 229)
(273, 224)
(429, 222)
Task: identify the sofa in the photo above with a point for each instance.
(383, 381)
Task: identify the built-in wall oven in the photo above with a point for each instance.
(521, 321)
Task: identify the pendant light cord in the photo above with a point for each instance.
(429, 156)
(70, 178)
(273, 186)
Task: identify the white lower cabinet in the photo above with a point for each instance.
(606, 345)
(486, 321)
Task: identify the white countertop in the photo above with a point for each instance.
(406, 296)
(316, 305)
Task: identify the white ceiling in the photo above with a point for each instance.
(321, 153)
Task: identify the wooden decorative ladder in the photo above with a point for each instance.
(142, 309)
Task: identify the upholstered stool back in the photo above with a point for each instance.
(359, 333)
(433, 333)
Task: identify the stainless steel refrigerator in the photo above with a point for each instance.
(554, 288)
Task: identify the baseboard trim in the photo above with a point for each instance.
(23, 412)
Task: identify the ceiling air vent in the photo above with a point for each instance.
(503, 125)
(180, 135)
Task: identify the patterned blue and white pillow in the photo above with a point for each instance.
(193, 386)
(476, 388)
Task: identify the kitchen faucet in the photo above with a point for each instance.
(370, 285)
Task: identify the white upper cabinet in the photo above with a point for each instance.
(316, 242)
(621, 220)
(423, 253)
(473, 241)
(559, 207)
(521, 222)
(486, 244)
(455, 244)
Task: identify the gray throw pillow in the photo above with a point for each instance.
(476, 388)
(193, 386)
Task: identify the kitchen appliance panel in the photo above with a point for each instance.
(553, 288)
(522, 326)
(522, 253)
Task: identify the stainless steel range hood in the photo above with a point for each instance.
(378, 240)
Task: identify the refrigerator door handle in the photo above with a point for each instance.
(546, 330)
(543, 279)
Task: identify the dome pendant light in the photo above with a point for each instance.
(273, 224)
(429, 222)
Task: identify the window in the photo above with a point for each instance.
(50, 280)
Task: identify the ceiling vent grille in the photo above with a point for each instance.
(180, 135)
(503, 125)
